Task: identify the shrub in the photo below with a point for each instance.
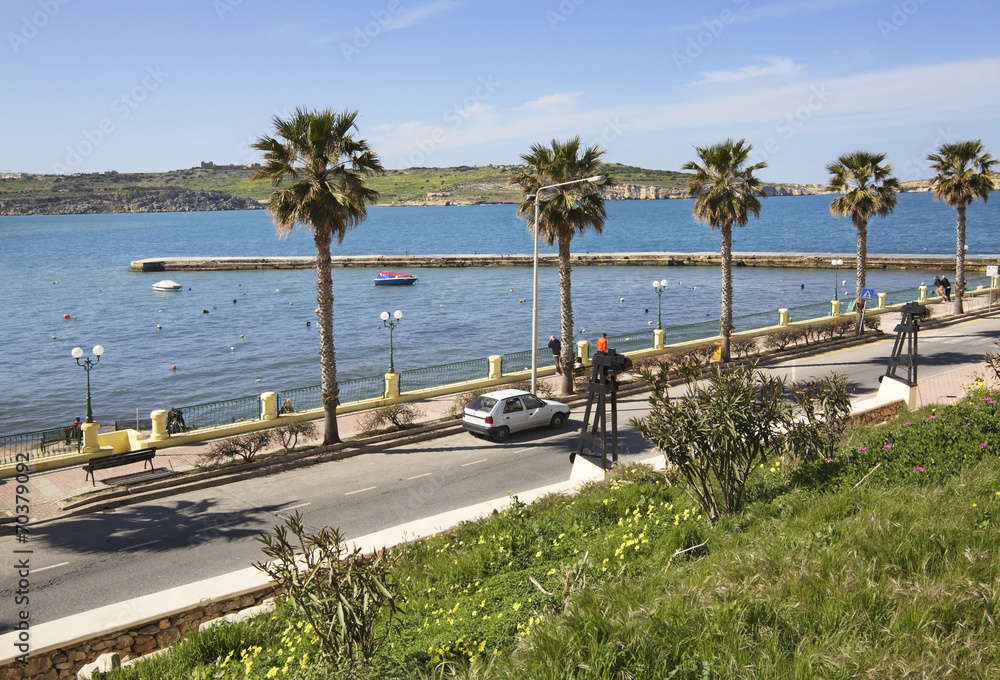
(743, 348)
(289, 433)
(348, 598)
(779, 340)
(244, 446)
(873, 323)
(388, 418)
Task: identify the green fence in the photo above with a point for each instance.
(628, 342)
(38, 444)
(435, 376)
(512, 362)
(306, 398)
(216, 413)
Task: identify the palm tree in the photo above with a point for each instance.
(726, 191)
(963, 175)
(565, 212)
(326, 168)
(868, 188)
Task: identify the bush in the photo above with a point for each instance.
(289, 433)
(244, 446)
(779, 340)
(349, 599)
(743, 348)
(388, 419)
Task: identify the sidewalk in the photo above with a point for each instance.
(50, 490)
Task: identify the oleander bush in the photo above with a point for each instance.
(289, 433)
(243, 446)
(388, 418)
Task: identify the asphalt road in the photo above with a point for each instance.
(85, 562)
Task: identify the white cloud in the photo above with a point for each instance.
(742, 12)
(774, 67)
(550, 101)
(415, 15)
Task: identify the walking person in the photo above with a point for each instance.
(556, 346)
(946, 285)
(938, 288)
(602, 343)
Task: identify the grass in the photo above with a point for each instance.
(831, 571)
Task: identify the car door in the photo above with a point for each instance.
(536, 413)
(513, 414)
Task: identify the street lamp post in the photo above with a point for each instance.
(596, 179)
(87, 365)
(391, 323)
(836, 275)
(659, 286)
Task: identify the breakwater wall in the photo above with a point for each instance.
(943, 263)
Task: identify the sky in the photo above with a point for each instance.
(99, 85)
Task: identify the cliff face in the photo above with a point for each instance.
(168, 200)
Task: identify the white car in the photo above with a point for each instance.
(497, 414)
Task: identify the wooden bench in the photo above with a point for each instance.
(116, 459)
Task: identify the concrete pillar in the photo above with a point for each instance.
(995, 282)
(496, 367)
(391, 385)
(658, 334)
(159, 418)
(834, 307)
(90, 443)
(782, 317)
(923, 293)
(268, 406)
(880, 301)
(583, 351)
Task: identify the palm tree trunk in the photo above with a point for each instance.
(566, 312)
(726, 313)
(859, 304)
(959, 259)
(327, 357)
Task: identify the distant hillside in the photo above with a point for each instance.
(228, 187)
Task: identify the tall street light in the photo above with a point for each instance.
(87, 365)
(391, 324)
(836, 269)
(659, 286)
(538, 196)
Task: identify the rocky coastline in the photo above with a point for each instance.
(167, 200)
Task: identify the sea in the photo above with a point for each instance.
(66, 283)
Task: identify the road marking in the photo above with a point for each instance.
(369, 488)
(219, 526)
(61, 564)
(140, 545)
(475, 462)
(293, 507)
(426, 474)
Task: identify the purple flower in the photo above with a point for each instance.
(983, 445)
(905, 424)
(931, 417)
(968, 425)
(918, 469)
(887, 447)
(863, 448)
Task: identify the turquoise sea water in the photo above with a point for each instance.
(255, 338)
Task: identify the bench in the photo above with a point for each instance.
(116, 459)
(61, 435)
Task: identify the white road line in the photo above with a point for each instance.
(293, 507)
(351, 493)
(426, 474)
(61, 564)
(133, 547)
(219, 526)
(475, 462)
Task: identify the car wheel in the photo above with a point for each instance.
(502, 434)
(557, 421)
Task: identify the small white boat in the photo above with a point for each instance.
(166, 284)
(394, 279)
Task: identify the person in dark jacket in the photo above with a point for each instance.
(556, 348)
(946, 285)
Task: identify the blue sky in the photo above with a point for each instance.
(140, 86)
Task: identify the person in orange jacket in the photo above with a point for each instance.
(602, 343)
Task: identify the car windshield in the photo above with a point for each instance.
(483, 403)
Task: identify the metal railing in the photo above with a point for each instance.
(300, 399)
(446, 374)
(629, 342)
(358, 389)
(512, 362)
(28, 446)
(215, 413)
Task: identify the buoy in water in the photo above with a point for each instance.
(521, 301)
(53, 337)
(158, 327)
(308, 324)
(174, 367)
(234, 301)
(620, 300)
(205, 311)
(232, 349)
(65, 316)
(241, 336)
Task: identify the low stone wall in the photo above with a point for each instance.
(877, 414)
(131, 641)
